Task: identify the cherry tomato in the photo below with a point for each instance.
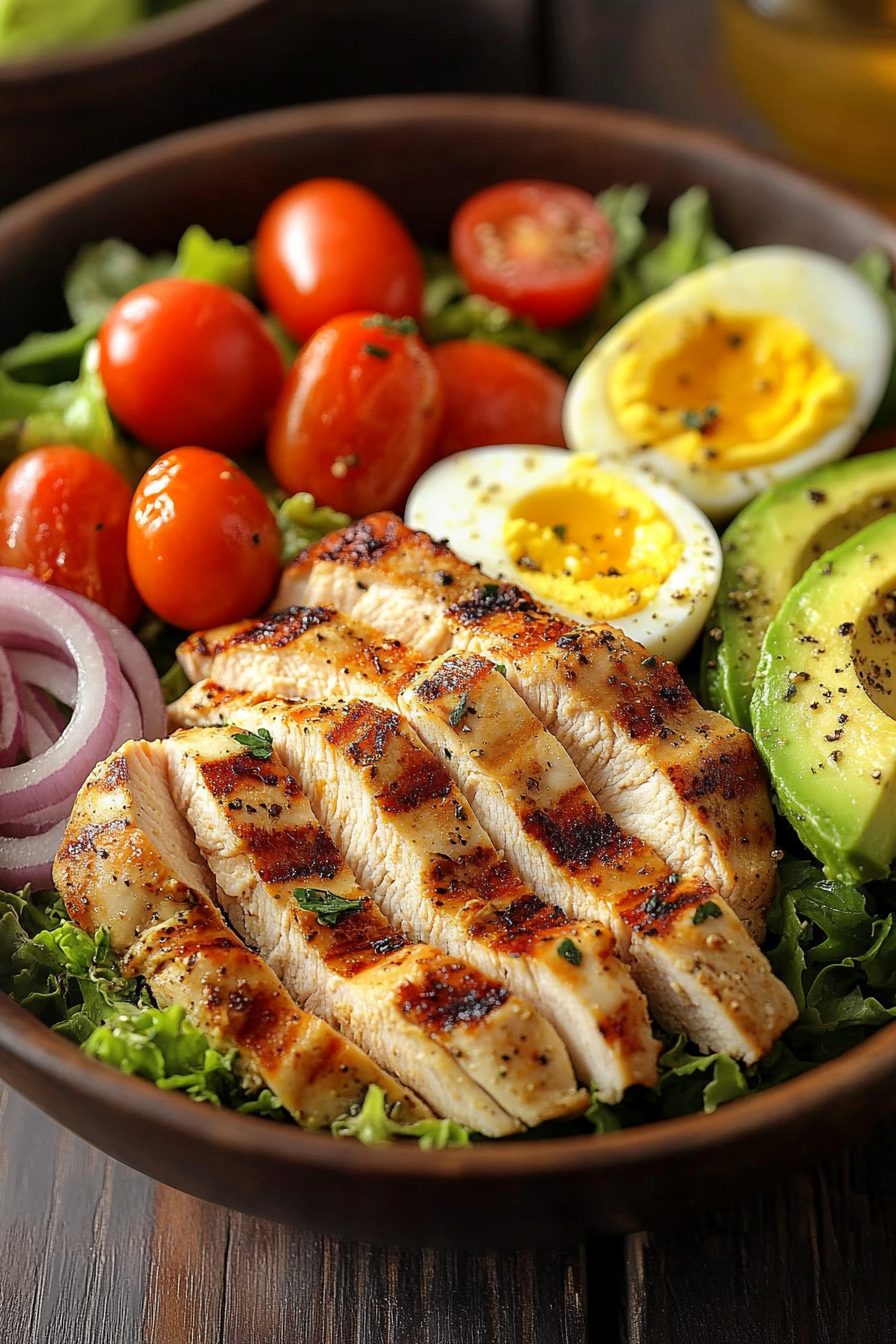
(64, 518)
(186, 361)
(542, 250)
(358, 416)
(327, 247)
(203, 546)
(496, 395)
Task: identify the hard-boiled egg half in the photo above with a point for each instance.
(593, 544)
(750, 370)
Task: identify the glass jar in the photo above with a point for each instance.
(823, 74)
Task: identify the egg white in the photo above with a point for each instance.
(837, 309)
(464, 500)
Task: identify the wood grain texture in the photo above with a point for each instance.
(808, 1262)
(92, 1253)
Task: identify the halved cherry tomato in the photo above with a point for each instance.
(203, 546)
(542, 250)
(64, 518)
(358, 416)
(186, 361)
(327, 247)
(496, 395)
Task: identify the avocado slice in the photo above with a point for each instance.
(766, 550)
(824, 710)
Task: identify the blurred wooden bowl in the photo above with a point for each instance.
(425, 155)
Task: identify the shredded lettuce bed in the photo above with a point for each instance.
(833, 945)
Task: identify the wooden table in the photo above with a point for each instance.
(92, 1253)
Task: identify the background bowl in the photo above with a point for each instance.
(425, 155)
(217, 58)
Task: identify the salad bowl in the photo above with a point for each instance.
(425, 156)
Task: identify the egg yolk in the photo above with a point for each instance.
(726, 392)
(592, 543)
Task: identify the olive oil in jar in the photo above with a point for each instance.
(823, 74)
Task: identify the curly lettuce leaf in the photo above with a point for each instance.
(202, 257)
(302, 522)
(639, 270)
(372, 1125)
(73, 983)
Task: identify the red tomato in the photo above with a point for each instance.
(542, 250)
(203, 546)
(496, 395)
(327, 247)
(358, 416)
(186, 361)
(64, 518)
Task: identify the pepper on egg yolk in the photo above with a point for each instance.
(726, 392)
(592, 543)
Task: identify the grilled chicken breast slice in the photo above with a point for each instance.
(682, 778)
(433, 1021)
(128, 864)
(406, 831)
(708, 980)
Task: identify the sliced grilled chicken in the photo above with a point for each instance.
(708, 980)
(447, 1031)
(128, 864)
(682, 778)
(407, 833)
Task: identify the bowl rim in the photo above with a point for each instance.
(797, 1101)
(871, 1065)
(144, 39)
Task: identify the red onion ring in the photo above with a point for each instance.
(11, 719)
(49, 673)
(30, 858)
(87, 738)
(136, 665)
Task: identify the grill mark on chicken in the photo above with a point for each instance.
(290, 854)
(444, 998)
(223, 776)
(364, 733)
(445, 873)
(128, 864)
(469, 715)
(639, 737)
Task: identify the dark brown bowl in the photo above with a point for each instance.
(425, 155)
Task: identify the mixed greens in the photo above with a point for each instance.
(833, 945)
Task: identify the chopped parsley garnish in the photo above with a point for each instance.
(458, 711)
(559, 531)
(499, 667)
(489, 590)
(328, 907)
(378, 351)
(649, 662)
(700, 420)
(569, 952)
(399, 326)
(709, 910)
(260, 744)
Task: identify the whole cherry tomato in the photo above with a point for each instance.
(203, 546)
(64, 518)
(327, 247)
(358, 416)
(186, 361)
(542, 250)
(496, 395)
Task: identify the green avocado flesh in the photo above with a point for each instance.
(824, 710)
(766, 550)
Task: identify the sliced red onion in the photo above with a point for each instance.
(47, 711)
(30, 858)
(49, 674)
(11, 719)
(63, 767)
(35, 822)
(136, 665)
(130, 722)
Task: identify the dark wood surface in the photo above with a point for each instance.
(93, 1253)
